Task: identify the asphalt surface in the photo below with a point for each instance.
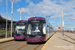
(20, 45)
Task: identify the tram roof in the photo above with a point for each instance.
(4, 20)
(22, 21)
(37, 18)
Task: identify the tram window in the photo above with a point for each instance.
(20, 29)
(36, 27)
(29, 29)
(44, 28)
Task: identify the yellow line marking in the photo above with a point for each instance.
(10, 45)
(43, 48)
(22, 47)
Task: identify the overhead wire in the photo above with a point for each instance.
(42, 6)
(24, 6)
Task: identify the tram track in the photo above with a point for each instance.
(10, 45)
(26, 45)
(6, 43)
(22, 47)
(37, 47)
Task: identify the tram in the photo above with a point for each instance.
(20, 30)
(36, 29)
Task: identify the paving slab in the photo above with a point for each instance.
(70, 35)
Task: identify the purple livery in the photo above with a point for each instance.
(36, 30)
(20, 30)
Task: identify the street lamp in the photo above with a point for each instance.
(62, 23)
(6, 15)
(20, 13)
(11, 18)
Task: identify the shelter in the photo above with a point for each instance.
(3, 23)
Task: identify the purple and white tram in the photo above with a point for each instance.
(20, 30)
(36, 29)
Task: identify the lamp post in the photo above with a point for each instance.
(20, 13)
(62, 23)
(6, 16)
(11, 18)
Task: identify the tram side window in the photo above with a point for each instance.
(29, 29)
(44, 28)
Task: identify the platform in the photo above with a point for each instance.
(6, 39)
(70, 35)
(59, 42)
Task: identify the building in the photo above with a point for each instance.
(3, 24)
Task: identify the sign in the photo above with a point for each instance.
(59, 28)
(63, 27)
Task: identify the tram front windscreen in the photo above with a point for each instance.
(20, 28)
(35, 28)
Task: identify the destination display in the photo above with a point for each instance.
(21, 23)
(35, 21)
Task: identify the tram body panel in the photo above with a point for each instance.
(35, 39)
(19, 37)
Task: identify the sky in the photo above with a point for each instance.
(42, 8)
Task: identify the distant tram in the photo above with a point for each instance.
(20, 30)
(36, 29)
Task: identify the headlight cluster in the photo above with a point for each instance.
(38, 36)
(27, 36)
